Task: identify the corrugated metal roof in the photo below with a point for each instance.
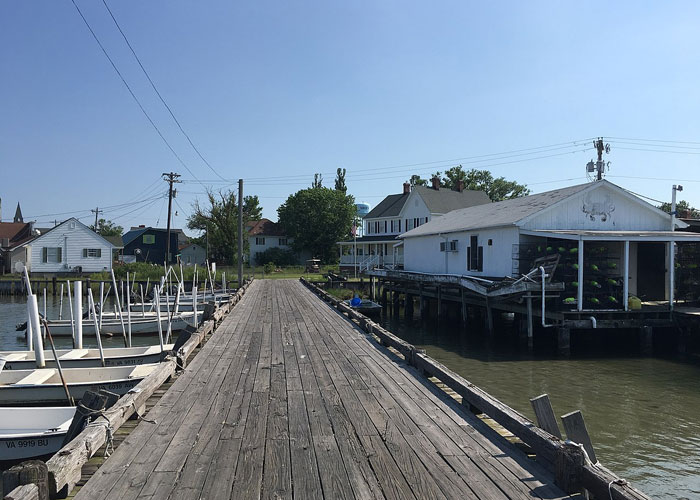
(502, 213)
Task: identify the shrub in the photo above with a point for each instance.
(269, 267)
(280, 257)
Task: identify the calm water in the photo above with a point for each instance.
(643, 414)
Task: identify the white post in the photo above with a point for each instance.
(167, 310)
(156, 298)
(78, 314)
(91, 306)
(128, 315)
(30, 332)
(102, 300)
(60, 305)
(46, 318)
(626, 275)
(223, 282)
(671, 272)
(194, 307)
(194, 276)
(36, 330)
(70, 309)
(579, 298)
(143, 305)
(119, 307)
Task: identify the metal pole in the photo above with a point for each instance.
(78, 315)
(240, 232)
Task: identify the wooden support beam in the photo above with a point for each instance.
(545, 415)
(530, 330)
(30, 472)
(489, 317)
(465, 315)
(576, 431)
(646, 337)
(439, 301)
(564, 341)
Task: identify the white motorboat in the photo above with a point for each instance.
(139, 325)
(85, 358)
(33, 432)
(43, 386)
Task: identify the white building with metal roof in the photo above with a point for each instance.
(378, 246)
(607, 242)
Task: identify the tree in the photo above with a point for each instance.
(416, 180)
(107, 228)
(219, 222)
(497, 189)
(340, 180)
(317, 218)
(682, 208)
(318, 181)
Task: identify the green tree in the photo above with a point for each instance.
(317, 218)
(497, 189)
(219, 223)
(682, 208)
(318, 181)
(340, 180)
(107, 228)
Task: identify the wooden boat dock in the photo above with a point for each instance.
(289, 399)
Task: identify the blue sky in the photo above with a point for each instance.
(273, 92)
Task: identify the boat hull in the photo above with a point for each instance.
(32, 446)
(90, 360)
(139, 326)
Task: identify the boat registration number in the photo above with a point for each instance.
(28, 443)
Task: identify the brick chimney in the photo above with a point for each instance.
(436, 183)
(460, 186)
(406, 188)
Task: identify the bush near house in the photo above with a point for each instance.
(281, 257)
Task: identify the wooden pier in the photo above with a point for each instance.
(289, 399)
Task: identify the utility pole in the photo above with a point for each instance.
(600, 164)
(97, 212)
(171, 179)
(240, 233)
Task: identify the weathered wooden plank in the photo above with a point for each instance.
(277, 474)
(24, 492)
(576, 431)
(545, 414)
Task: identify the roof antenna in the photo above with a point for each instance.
(599, 167)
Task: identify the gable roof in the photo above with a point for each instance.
(389, 207)
(445, 200)
(78, 223)
(130, 236)
(16, 232)
(265, 227)
(502, 213)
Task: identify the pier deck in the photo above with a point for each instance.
(289, 400)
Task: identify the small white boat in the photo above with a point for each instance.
(139, 325)
(43, 386)
(86, 358)
(33, 432)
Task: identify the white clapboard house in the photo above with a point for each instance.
(378, 246)
(70, 247)
(608, 244)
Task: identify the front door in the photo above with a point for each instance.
(651, 271)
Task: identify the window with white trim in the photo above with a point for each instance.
(259, 240)
(92, 253)
(51, 254)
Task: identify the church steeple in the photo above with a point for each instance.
(18, 215)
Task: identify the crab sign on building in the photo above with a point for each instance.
(598, 209)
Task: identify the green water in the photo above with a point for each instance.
(643, 413)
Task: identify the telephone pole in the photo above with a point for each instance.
(600, 164)
(170, 178)
(97, 212)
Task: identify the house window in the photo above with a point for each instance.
(51, 254)
(92, 253)
(426, 220)
(475, 255)
(149, 239)
(407, 228)
(376, 227)
(392, 226)
(399, 225)
(416, 221)
(259, 240)
(283, 242)
(385, 224)
(369, 227)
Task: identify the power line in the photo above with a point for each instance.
(652, 140)
(158, 93)
(143, 110)
(660, 151)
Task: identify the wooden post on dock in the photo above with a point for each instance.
(564, 341)
(53, 286)
(646, 336)
(408, 304)
(30, 472)
(489, 317)
(421, 301)
(372, 291)
(464, 306)
(439, 301)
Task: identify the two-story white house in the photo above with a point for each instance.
(396, 214)
(263, 235)
(70, 247)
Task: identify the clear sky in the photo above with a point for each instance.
(273, 92)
